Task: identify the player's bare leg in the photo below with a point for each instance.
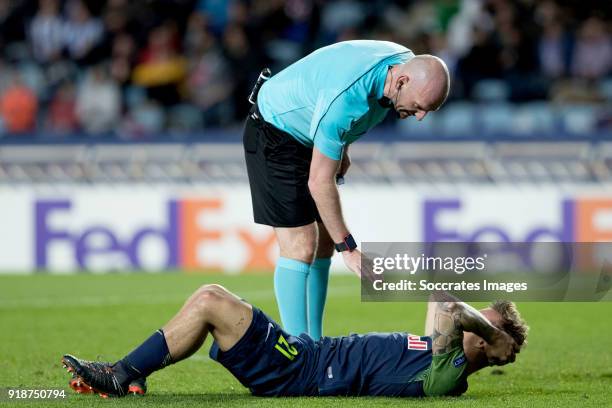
(297, 250)
(210, 309)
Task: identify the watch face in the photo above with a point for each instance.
(348, 245)
(350, 242)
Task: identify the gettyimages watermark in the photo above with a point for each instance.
(485, 271)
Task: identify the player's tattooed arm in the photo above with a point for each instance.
(451, 319)
(447, 332)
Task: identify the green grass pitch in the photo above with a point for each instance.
(568, 361)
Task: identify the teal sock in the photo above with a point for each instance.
(317, 293)
(290, 288)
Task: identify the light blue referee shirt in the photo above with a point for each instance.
(329, 98)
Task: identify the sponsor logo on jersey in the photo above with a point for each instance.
(459, 361)
(415, 343)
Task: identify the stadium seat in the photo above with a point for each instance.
(428, 127)
(491, 90)
(605, 88)
(185, 118)
(533, 118)
(34, 78)
(456, 119)
(495, 118)
(579, 119)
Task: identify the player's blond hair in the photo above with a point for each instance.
(512, 322)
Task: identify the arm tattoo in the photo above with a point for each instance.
(452, 319)
(447, 332)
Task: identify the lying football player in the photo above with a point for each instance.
(460, 340)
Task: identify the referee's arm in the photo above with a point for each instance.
(322, 185)
(327, 154)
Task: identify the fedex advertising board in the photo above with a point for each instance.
(100, 229)
(127, 230)
(502, 219)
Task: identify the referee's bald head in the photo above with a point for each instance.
(430, 73)
(422, 85)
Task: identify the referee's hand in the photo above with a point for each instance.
(352, 260)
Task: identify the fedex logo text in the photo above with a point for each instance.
(183, 233)
(578, 222)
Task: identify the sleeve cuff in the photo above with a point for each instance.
(329, 148)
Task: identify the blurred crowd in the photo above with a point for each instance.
(134, 68)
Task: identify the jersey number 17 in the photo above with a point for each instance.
(285, 348)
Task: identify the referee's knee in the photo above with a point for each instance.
(298, 243)
(305, 253)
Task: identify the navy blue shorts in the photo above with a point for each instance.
(269, 361)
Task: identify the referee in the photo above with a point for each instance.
(296, 142)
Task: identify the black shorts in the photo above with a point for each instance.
(278, 167)
(269, 361)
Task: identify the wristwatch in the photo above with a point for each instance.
(348, 244)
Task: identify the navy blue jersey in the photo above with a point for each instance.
(271, 362)
(373, 364)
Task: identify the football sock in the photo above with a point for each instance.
(317, 293)
(150, 356)
(290, 289)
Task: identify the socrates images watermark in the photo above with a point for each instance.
(458, 265)
(543, 271)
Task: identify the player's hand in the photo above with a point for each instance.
(502, 350)
(352, 260)
(345, 163)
